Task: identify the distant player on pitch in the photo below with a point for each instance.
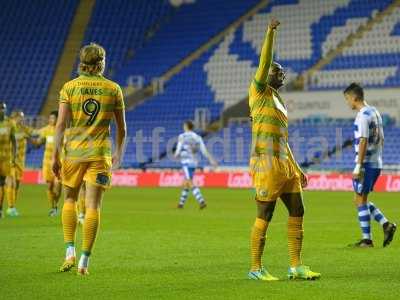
(46, 137)
(189, 144)
(87, 106)
(23, 133)
(274, 171)
(8, 151)
(369, 139)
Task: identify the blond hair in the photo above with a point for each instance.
(92, 59)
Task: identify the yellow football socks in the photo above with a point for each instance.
(295, 240)
(69, 222)
(90, 226)
(257, 241)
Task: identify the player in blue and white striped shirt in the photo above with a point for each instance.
(189, 144)
(369, 139)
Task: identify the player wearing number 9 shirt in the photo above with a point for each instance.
(87, 106)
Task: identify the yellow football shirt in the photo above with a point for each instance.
(93, 101)
(22, 134)
(47, 134)
(269, 121)
(7, 128)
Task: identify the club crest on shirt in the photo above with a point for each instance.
(262, 193)
(103, 179)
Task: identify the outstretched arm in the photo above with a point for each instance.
(266, 53)
(207, 154)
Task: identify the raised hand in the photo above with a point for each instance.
(274, 23)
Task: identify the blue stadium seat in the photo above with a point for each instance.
(121, 26)
(30, 49)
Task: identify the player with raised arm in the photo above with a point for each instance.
(87, 106)
(369, 139)
(189, 144)
(274, 171)
(22, 134)
(8, 150)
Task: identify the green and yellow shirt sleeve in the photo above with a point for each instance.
(266, 57)
(64, 96)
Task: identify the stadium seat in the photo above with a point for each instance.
(30, 51)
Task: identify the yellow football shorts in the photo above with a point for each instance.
(97, 173)
(47, 173)
(273, 177)
(5, 169)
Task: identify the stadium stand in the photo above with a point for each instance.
(123, 26)
(219, 78)
(230, 65)
(30, 51)
(297, 50)
(191, 26)
(372, 60)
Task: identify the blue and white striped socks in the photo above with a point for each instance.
(197, 194)
(377, 214)
(184, 196)
(364, 216)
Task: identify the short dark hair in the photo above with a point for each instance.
(54, 113)
(355, 89)
(189, 124)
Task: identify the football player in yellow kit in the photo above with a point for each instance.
(8, 150)
(274, 171)
(22, 134)
(87, 106)
(46, 137)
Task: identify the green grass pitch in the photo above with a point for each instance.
(147, 249)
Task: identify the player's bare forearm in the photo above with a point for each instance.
(62, 120)
(266, 53)
(121, 132)
(211, 159)
(362, 149)
(58, 138)
(178, 149)
(121, 140)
